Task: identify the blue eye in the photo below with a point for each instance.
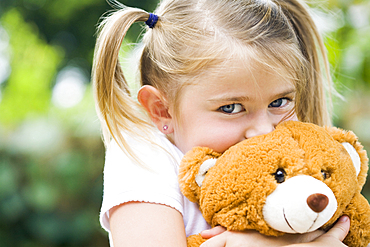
(279, 102)
(232, 108)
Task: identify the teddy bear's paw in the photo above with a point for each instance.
(195, 240)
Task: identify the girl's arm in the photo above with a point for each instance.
(333, 238)
(146, 224)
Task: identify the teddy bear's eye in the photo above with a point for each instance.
(280, 175)
(325, 174)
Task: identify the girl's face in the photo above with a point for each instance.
(235, 104)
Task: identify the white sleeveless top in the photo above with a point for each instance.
(126, 181)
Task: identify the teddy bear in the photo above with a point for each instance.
(296, 179)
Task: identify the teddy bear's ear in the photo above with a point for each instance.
(354, 148)
(354, 156)
(193, 168)
(203, 169)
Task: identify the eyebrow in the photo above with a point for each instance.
(287, 92)
(246, 98)
(227, 99)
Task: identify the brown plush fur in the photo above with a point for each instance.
(234, 191)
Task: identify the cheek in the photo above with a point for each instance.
(294, 117)
(222, 146)
(219, 139)
(291, 118)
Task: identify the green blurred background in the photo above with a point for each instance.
(51, 154)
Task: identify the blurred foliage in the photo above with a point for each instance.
(51, 154)
(28, 86)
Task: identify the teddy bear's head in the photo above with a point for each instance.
(296, 179)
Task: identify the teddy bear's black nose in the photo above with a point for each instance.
(317, 202)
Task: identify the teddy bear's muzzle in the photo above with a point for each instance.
(301, 204)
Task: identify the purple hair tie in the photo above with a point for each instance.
(152, 20)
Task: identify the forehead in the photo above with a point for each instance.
(244, 77)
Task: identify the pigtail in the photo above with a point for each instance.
(116, 109)
(312, 106)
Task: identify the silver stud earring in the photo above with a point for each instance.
(165, 127)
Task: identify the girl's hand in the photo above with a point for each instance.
(222, 238)
(253, 238)
(334, 236)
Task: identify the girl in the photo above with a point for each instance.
(213, 73)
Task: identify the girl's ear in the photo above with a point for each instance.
(157, 107)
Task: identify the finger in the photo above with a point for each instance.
(217, 241)
(212, 232)
(340, 229)
(309, 237)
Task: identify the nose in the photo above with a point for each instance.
(317, 202)
(260, 124)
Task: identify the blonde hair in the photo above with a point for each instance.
(194, 36)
